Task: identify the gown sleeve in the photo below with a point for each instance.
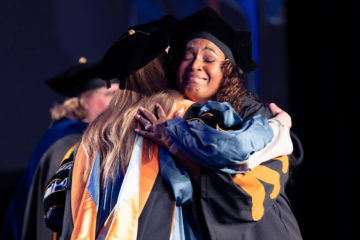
(55, 196)
(281, 144)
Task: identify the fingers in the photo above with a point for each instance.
(179, 113)
(160, 111)
(148, 114)
(144, 133)
(142, 120)
(275, 110)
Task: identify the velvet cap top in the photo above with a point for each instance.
(206, 23)
(77, 79)
(136, 48)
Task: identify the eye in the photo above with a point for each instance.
(209, 60)
(186, 56)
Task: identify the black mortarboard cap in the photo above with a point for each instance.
(136, 48)
(77, 79)
(206, 23)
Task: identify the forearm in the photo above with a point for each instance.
(281, 144)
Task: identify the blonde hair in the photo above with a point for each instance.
(72, 108)
(112, 133)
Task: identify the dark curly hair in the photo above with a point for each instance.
(231, 88)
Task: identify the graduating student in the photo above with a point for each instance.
(86, 99)
(229, 204)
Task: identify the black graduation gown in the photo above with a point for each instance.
(223, 209)
(34, 225)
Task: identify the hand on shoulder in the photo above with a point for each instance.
(278, 112)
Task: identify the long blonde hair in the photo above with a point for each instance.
(112, 133)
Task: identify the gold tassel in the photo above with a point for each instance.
(107, 84)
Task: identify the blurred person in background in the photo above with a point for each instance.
(86, 98)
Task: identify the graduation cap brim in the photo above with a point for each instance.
(133, 52)
(77, 79)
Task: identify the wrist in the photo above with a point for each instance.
(169, 143)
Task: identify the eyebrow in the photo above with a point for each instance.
(206, 48)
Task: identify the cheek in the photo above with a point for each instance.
(105, 100)
(216, 75)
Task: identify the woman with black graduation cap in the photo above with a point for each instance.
(121, 186)
(86, 99)
(214, 58)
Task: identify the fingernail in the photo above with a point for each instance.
(141, 108)
(137, 116)
(136, 130)
(157, 105)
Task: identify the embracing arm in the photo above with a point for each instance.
(281, 144)
(223, 143)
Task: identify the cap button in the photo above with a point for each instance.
(131, 32)
(82, 60)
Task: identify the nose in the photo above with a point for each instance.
(195, 65)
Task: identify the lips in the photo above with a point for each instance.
(194, 78)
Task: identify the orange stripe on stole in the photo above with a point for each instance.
(82, 205)
(86, 222)
(125, 223)
(78, 186)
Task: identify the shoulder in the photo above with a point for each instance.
(251, 108)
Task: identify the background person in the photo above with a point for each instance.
(86, 99)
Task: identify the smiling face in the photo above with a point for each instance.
(199, 73)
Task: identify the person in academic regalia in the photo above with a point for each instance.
(86, 98)
(121, 186)
(228, 204)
